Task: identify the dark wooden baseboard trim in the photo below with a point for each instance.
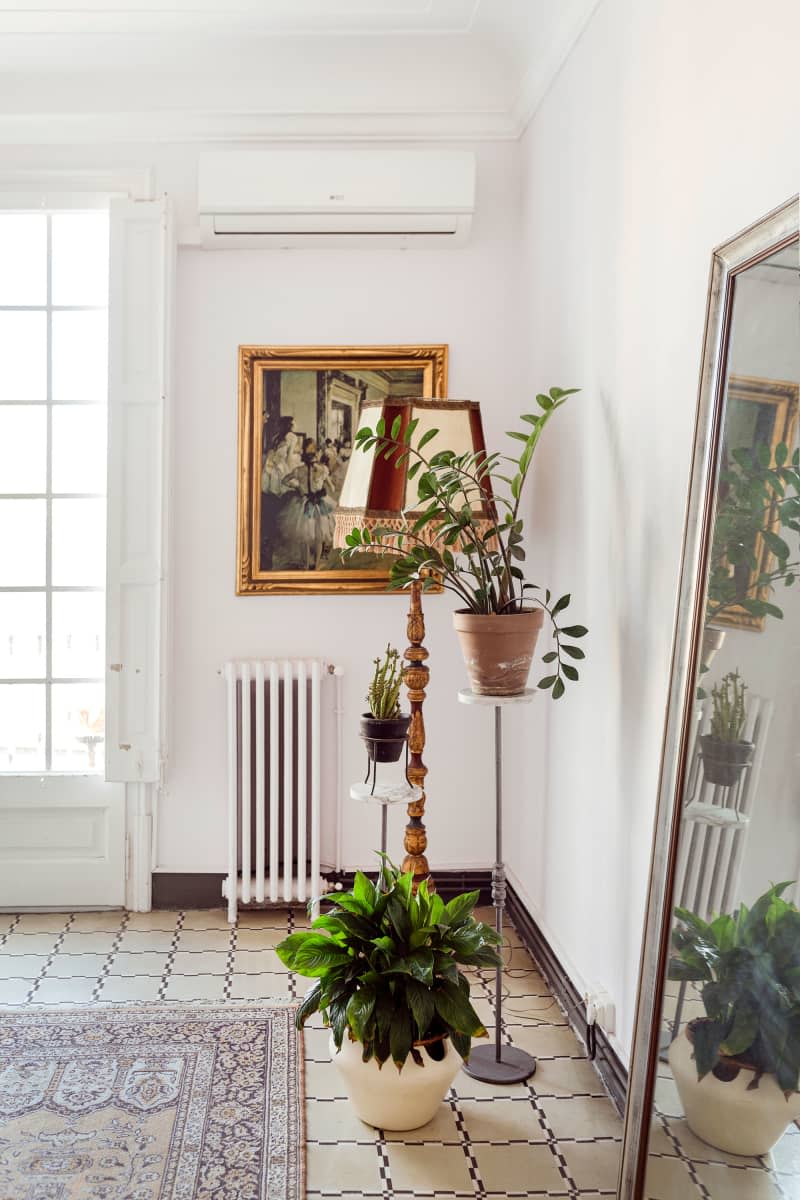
(173, 889)
(448, 883)
(191, 889)
(204, 890)
(607, 1063)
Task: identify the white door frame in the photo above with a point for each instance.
(139, 296)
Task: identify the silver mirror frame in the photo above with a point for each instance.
(758, 241)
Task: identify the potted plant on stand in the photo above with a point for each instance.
(384, 728)
(469, 537)
(388, 986)
(756, 544)
(737, 1069)
(725, 753)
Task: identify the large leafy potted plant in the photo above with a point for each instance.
(738, 1068)
(388, 986)
(469, 537)
(724, 751)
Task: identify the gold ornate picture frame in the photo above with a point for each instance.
(298, 414)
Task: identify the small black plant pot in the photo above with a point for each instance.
(385, 737)
(723, 762)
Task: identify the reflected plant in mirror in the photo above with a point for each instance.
(749, 1039)
(758, 509)
(724, 751)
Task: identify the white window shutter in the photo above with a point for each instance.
(138, 338)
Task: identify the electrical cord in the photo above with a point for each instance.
(534, 1015)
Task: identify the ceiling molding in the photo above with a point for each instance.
(506, 121)
(537, 81)
(193, 127)
(282, 18)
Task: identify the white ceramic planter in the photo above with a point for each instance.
(390, 1099)
(727, 1115)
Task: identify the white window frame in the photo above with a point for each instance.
(48, 495)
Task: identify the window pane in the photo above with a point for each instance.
(22, 718)
(79, 543)
(80, 356)
(80, 258)
(23, 355)
(79, 448)
(22, 635)
(22, 543)
(23, 448)
(79, 721)
(79, 634)
(23, 254)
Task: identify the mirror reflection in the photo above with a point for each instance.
(727, 1106)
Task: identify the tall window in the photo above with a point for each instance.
(53, 390)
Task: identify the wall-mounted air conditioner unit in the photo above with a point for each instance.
(290, 198)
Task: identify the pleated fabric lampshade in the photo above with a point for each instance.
(377, 492)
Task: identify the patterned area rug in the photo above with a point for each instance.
(152, 1102)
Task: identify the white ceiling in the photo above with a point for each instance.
(249, 69)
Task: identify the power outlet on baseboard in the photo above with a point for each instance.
(600, 1009)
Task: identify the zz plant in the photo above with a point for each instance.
(749, 967)
(386, 963)
(477, 558)
(759, 503)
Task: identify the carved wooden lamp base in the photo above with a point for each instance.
(415, 677)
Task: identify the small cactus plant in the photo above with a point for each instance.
(728, 708)
(383, 696)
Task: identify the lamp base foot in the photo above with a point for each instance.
(513, 1066)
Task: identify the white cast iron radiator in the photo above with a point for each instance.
(274, 725)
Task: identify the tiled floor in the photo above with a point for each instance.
(557, 1136)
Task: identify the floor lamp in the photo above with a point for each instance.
(376, 493)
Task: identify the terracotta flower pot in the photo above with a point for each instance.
(731, 1115)
(723, 762)
(385, 737)
(390, 1099)
(498, 650)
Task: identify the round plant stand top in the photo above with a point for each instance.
(385, 793)
(467, 696)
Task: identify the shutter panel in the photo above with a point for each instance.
(138, 325)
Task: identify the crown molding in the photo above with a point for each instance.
(537, 81)
(242, 127)
(248, 126)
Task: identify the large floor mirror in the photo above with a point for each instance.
(714, 1109)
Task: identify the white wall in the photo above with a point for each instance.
(670, 127)
(337, 298)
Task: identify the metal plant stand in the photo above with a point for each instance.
(498, 1063)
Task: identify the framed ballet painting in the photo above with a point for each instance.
(299, 412)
